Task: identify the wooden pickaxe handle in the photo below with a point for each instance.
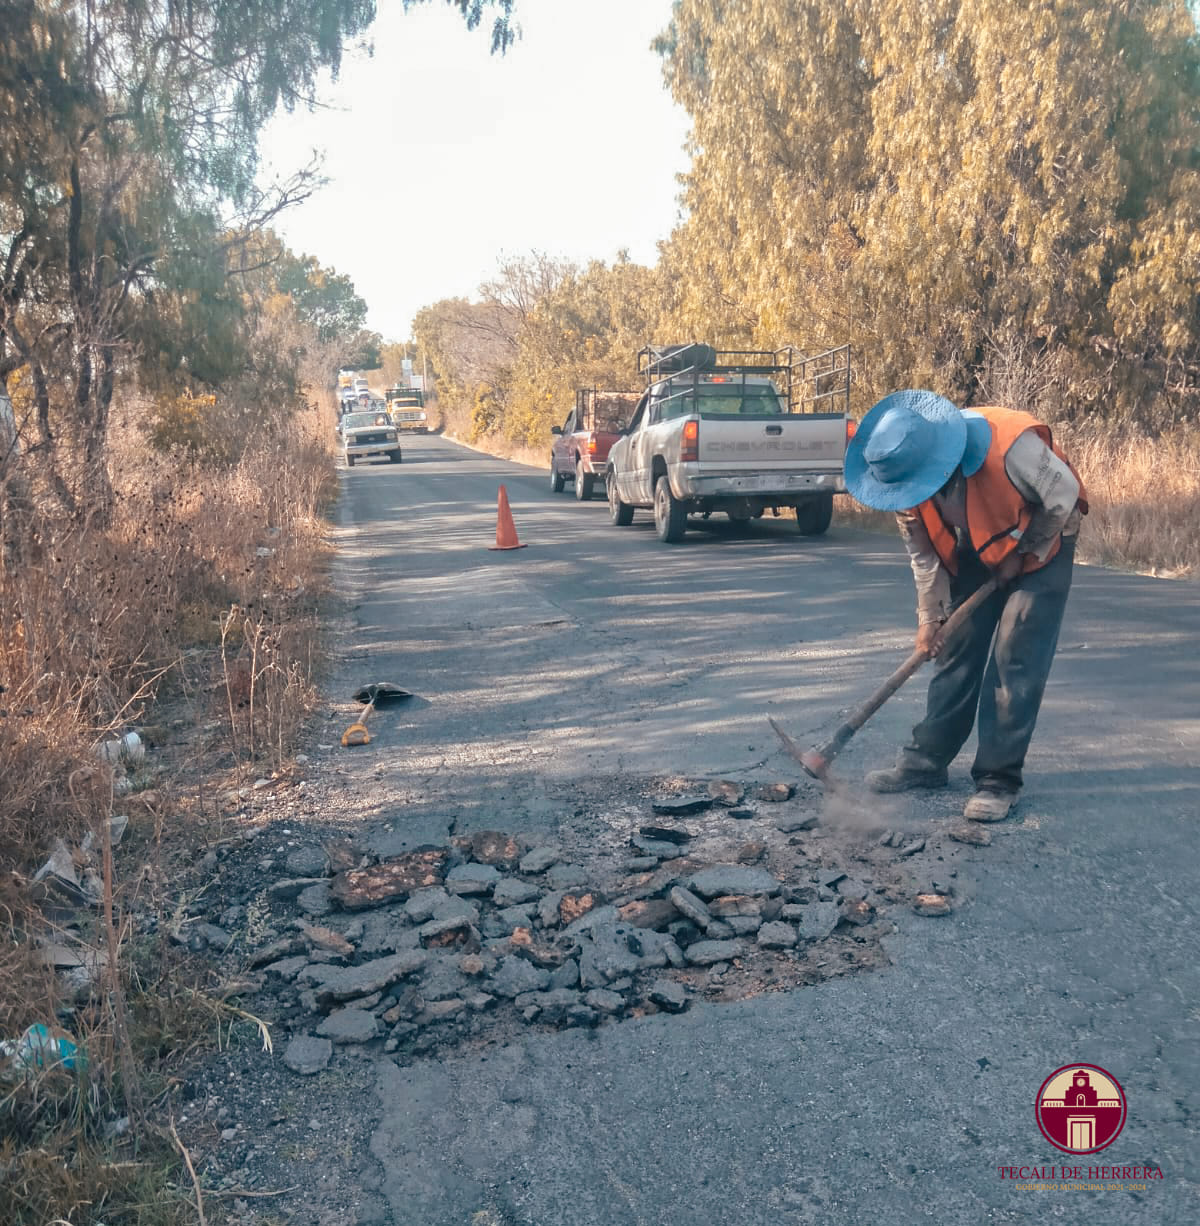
(859, 716)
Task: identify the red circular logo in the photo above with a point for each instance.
(1081, 1108)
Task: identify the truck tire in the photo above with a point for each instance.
(813, 517)
(349, 461)
(670, 515)
(395, 457)
(556, 479)
(621, 513)
(583, 483)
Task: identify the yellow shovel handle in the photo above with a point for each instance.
(357, 733)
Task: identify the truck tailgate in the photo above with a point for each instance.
(799, 442)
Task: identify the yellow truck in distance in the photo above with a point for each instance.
(407, 408)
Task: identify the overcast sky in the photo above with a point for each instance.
(441, 157)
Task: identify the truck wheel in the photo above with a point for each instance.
(395, 457)
(583, 483)
(621, 513)
(813, 517)
(670, 515)
(349, 461)
(556, 479)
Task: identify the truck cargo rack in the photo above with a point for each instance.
(594, 405)
(817, 383)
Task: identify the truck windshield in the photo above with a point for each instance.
(356, 421)
(723, 399)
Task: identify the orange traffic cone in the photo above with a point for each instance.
(506, 530)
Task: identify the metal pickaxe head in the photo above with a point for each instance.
(814, 762)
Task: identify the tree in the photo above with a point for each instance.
(512, 362)
(928, 178)
(129, 159)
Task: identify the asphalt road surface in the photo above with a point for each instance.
(553, 675)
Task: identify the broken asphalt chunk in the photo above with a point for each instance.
(668, 834)
(456, 931)
(660, 849)
(793, 825)
(349, 1026)
(539, 859)
(857, 911)
(725, 792)
(691, 907)
(818, 920)
(648, 912)
(777, 935)
(494, 848)
(515, 976)
(680, 806)
(563, 876)
(390, 880)
(972, 833)
(472, 879)
(705, 953)
(511, 892)
(668, 995)
(775, 793)
(345, 983)
(732, 879)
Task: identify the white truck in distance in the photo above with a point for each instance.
(738, 432)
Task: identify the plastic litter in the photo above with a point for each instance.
(127, 750)
(42, 1047)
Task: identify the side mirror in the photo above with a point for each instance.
(556, 429)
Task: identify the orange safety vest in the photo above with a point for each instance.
(997, 513)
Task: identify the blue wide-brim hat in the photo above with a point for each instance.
(979, 440)
(905, 449)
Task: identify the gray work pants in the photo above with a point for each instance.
(997, 664)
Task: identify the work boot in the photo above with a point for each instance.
(989, 805)
(904, 779)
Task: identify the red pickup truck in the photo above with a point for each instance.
(580, 449)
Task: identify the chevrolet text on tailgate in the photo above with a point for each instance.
(738, 431)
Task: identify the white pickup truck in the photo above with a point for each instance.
(720, 431)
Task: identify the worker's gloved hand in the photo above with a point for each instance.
(1009, 569)
(929, 639)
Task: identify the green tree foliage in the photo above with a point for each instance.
(323, 298)
(128, 155)
(934, 179)
(544, 327)
(584, 332)
(236, 361)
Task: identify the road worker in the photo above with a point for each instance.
(978, 493)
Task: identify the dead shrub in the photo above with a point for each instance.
(1145, 498)
(94, 621)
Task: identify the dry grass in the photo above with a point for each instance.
(1145, 500)
(456, 424)
(204, 590)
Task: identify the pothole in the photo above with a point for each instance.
(477, 937)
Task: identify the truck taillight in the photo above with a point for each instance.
(691, 441)
(592, 445)
(851, 428)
